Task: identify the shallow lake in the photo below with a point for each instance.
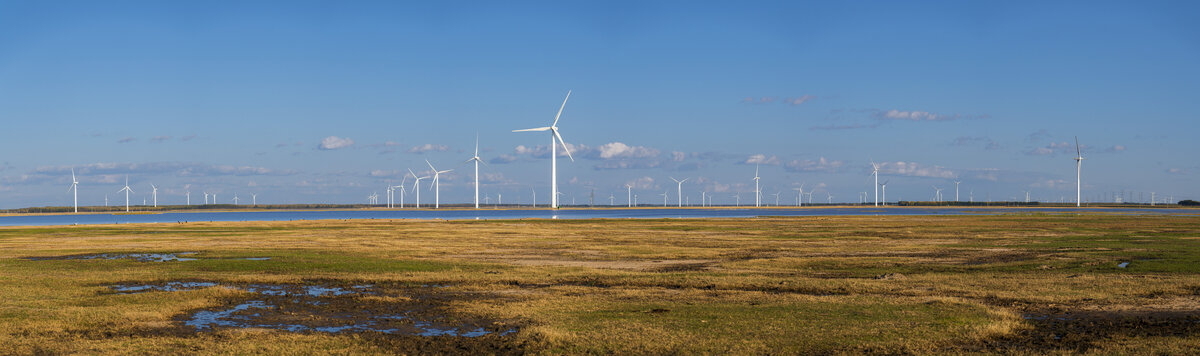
(490, 214)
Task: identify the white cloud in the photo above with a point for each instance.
(642, 183)
(678, 156)
(620, 150)
(820, 165)
(913, 169)
(428, 147)
(921, 116)
(800, 100)
(762, 159)
(334, 142)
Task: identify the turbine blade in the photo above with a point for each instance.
(430, 165)
(564, 144)
(534, 129)
(560, 109)
(1077, 152)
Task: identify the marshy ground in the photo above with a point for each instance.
(1041, 283)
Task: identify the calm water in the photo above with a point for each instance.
(90, 219)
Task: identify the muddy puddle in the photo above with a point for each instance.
(329, 308)
(140, 257)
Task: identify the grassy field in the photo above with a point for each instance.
(1034, 284)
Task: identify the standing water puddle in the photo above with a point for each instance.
(326, 308)
(140, 257)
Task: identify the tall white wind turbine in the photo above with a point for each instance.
(253, 199)
(1078, 166)
(436, 185)
(875, 172)
(477, 162)
(553, 128)
(664, 194)
(74, 188)
(127, 191)
(154, 192)
(956, 182)
(629, 194)
(417, 184)
(884, 186)
(757, 192)
(679, 189)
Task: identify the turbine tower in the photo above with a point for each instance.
(553, 128)
(436, 185)
(127, 191)
(253, 199)
(477, 162)
(664, 194)
(956, 182)
(875, 172)
(800, 196)
(679, 189)
(757, 192)
(884, 186)
(154, 189)
(629, 195)
(415, 185)
(1078, 166)
(74, 188)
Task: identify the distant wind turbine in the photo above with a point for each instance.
(937, 194)
(884, 186)
(189, 197)
(956, 182)
(417, 184)
(679, 189)
(74, 188)
(235, 199)
(127, 191)
(757, 192)
(154, 189)
(800, 197)
(253, 199)
(629, 195)
(875, 172)
(1078, 167)
(436, 185)
(664, 194)
(553, 128)
(477, 162)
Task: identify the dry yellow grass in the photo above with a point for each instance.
(907, 284)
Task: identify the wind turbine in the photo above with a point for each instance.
(235, 199)
(205, 198)
(937, 194)
(777, 198)
(664, 194)
(553, 128)
(155, 194)
(703, 196)
(884, 185)
(612, 199)
(800, 197)
(253, 199)
(436, 185)
(875, 172)
(757, 192)
(74, 187)
(737, 199)
(401, 186)
(679, 189)
(415, 185)
(956, 181)
(189, 197)
(477, 162)
(829, 196)
(1078, 166)
(127, 191)
(629, 195)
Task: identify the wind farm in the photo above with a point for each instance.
(966, 113)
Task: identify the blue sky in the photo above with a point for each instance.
(238, 97)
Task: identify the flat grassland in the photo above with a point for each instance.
(1030, 283)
